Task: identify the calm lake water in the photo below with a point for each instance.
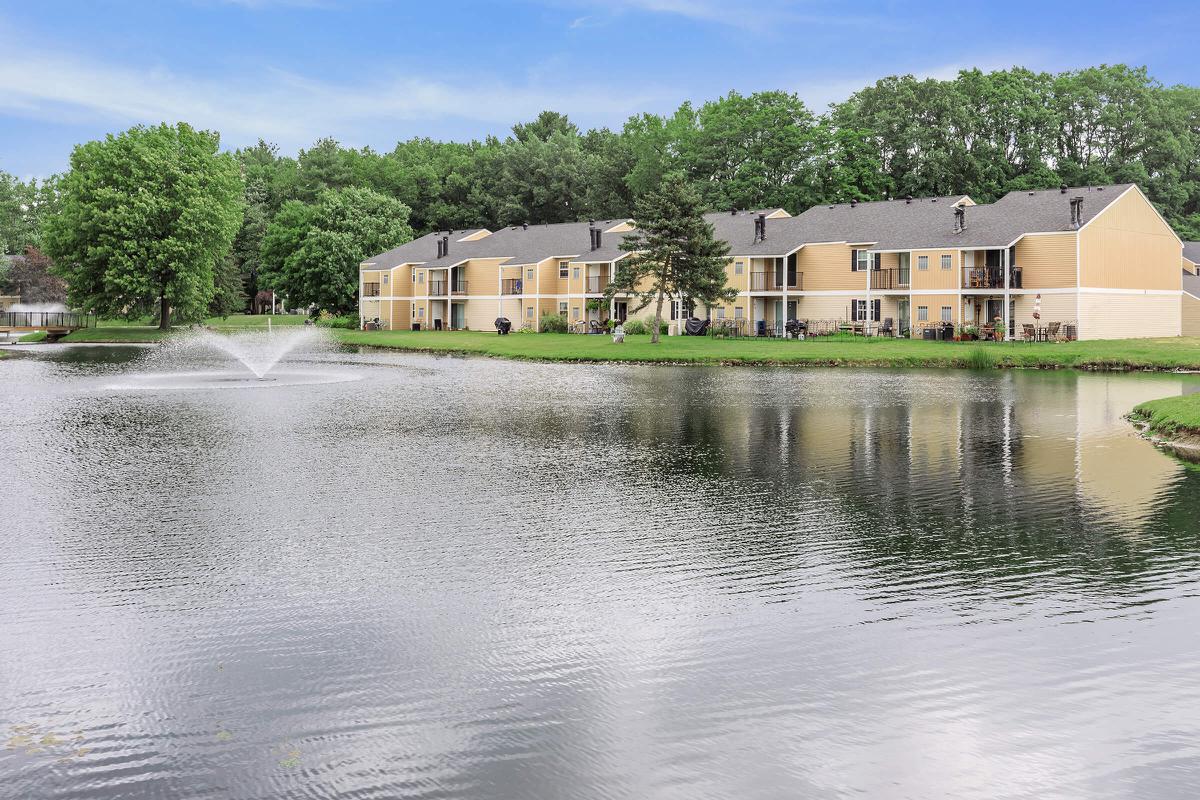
(467, 578)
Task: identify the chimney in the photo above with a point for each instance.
(1076, 212)
(760, 228)
(439, 248)
(445, 245)
(594, 236)
(960, 219)
(599, 233)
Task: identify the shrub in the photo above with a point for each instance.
(327, 320)
(635, 327)
(553, 323)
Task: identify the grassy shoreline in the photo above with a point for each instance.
(1172, 423)
(1117, 355)
(1114, 355)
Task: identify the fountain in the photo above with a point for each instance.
(208, 354)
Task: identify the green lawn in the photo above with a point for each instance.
(1161, 354)
(834, 351)
(1172, 415)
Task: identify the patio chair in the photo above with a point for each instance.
(1028, 332)
(596, 327)
(1052, 329)
(887, 329)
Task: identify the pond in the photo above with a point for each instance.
(438, 577)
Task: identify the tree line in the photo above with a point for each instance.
(303, 223)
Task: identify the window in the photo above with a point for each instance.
(860, 309)
(946, 259)
(529, 275)
(721, 312)
(862, 260)
(922, 262)
(421, 277)
(562, 309)
(739, 267)
(529, 312)
(562, 268)
(922, 312)
(947, 314)
(421, 312)
(674, 310)
(739, 313)
(385, 279)
(575, 312)
(575, 273)
(370, 290)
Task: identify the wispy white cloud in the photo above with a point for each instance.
(286, 107)
(753, 15)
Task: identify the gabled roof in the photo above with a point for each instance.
(1018, 213)
(1191, 251)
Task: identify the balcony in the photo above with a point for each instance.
(370, 290)
(769, 282)
(596, 284)
(890, 278)
(510, 286)
(438, 288)
(458, 287)
(989, 278)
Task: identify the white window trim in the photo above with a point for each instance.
(947, 261)
(922, 313)
(923, 263)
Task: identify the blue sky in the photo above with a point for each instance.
(370, 72)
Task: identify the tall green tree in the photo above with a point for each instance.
(145, 219)
(673, 251)
(310, 254)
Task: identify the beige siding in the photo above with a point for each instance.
(482, 276)
(826, 267)
(1128, 246)
(1055, 308)
(1047, 262)
(935, 277)
(1128, 316)
(480, 315)
(935, 303)
(832, 307)
(1191, 315)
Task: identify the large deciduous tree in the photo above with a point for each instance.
(310, 253)
(673, 251)
(32, 277)
(145, 219)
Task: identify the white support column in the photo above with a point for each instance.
(870, 307)
(1004, 262)
(783, 316)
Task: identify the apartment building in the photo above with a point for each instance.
(1100, 260)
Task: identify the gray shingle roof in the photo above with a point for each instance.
(1191, 251)
(1191, 284)
(883, 225)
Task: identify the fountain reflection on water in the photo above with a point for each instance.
(199, 359)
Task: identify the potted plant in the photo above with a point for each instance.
(998, 330)
(969, 333)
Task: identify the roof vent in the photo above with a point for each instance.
(907, 199)
(1031, 194)
(853, 203)
(524, 226)
(1062, 189)
(733, 211)
(933, 200)
(960, 219)
(1099, 188)
(1076, 212)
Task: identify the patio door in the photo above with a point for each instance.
(458, 316)
(902, 314)
(791, 310)
(621, 310)
(778, 315)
